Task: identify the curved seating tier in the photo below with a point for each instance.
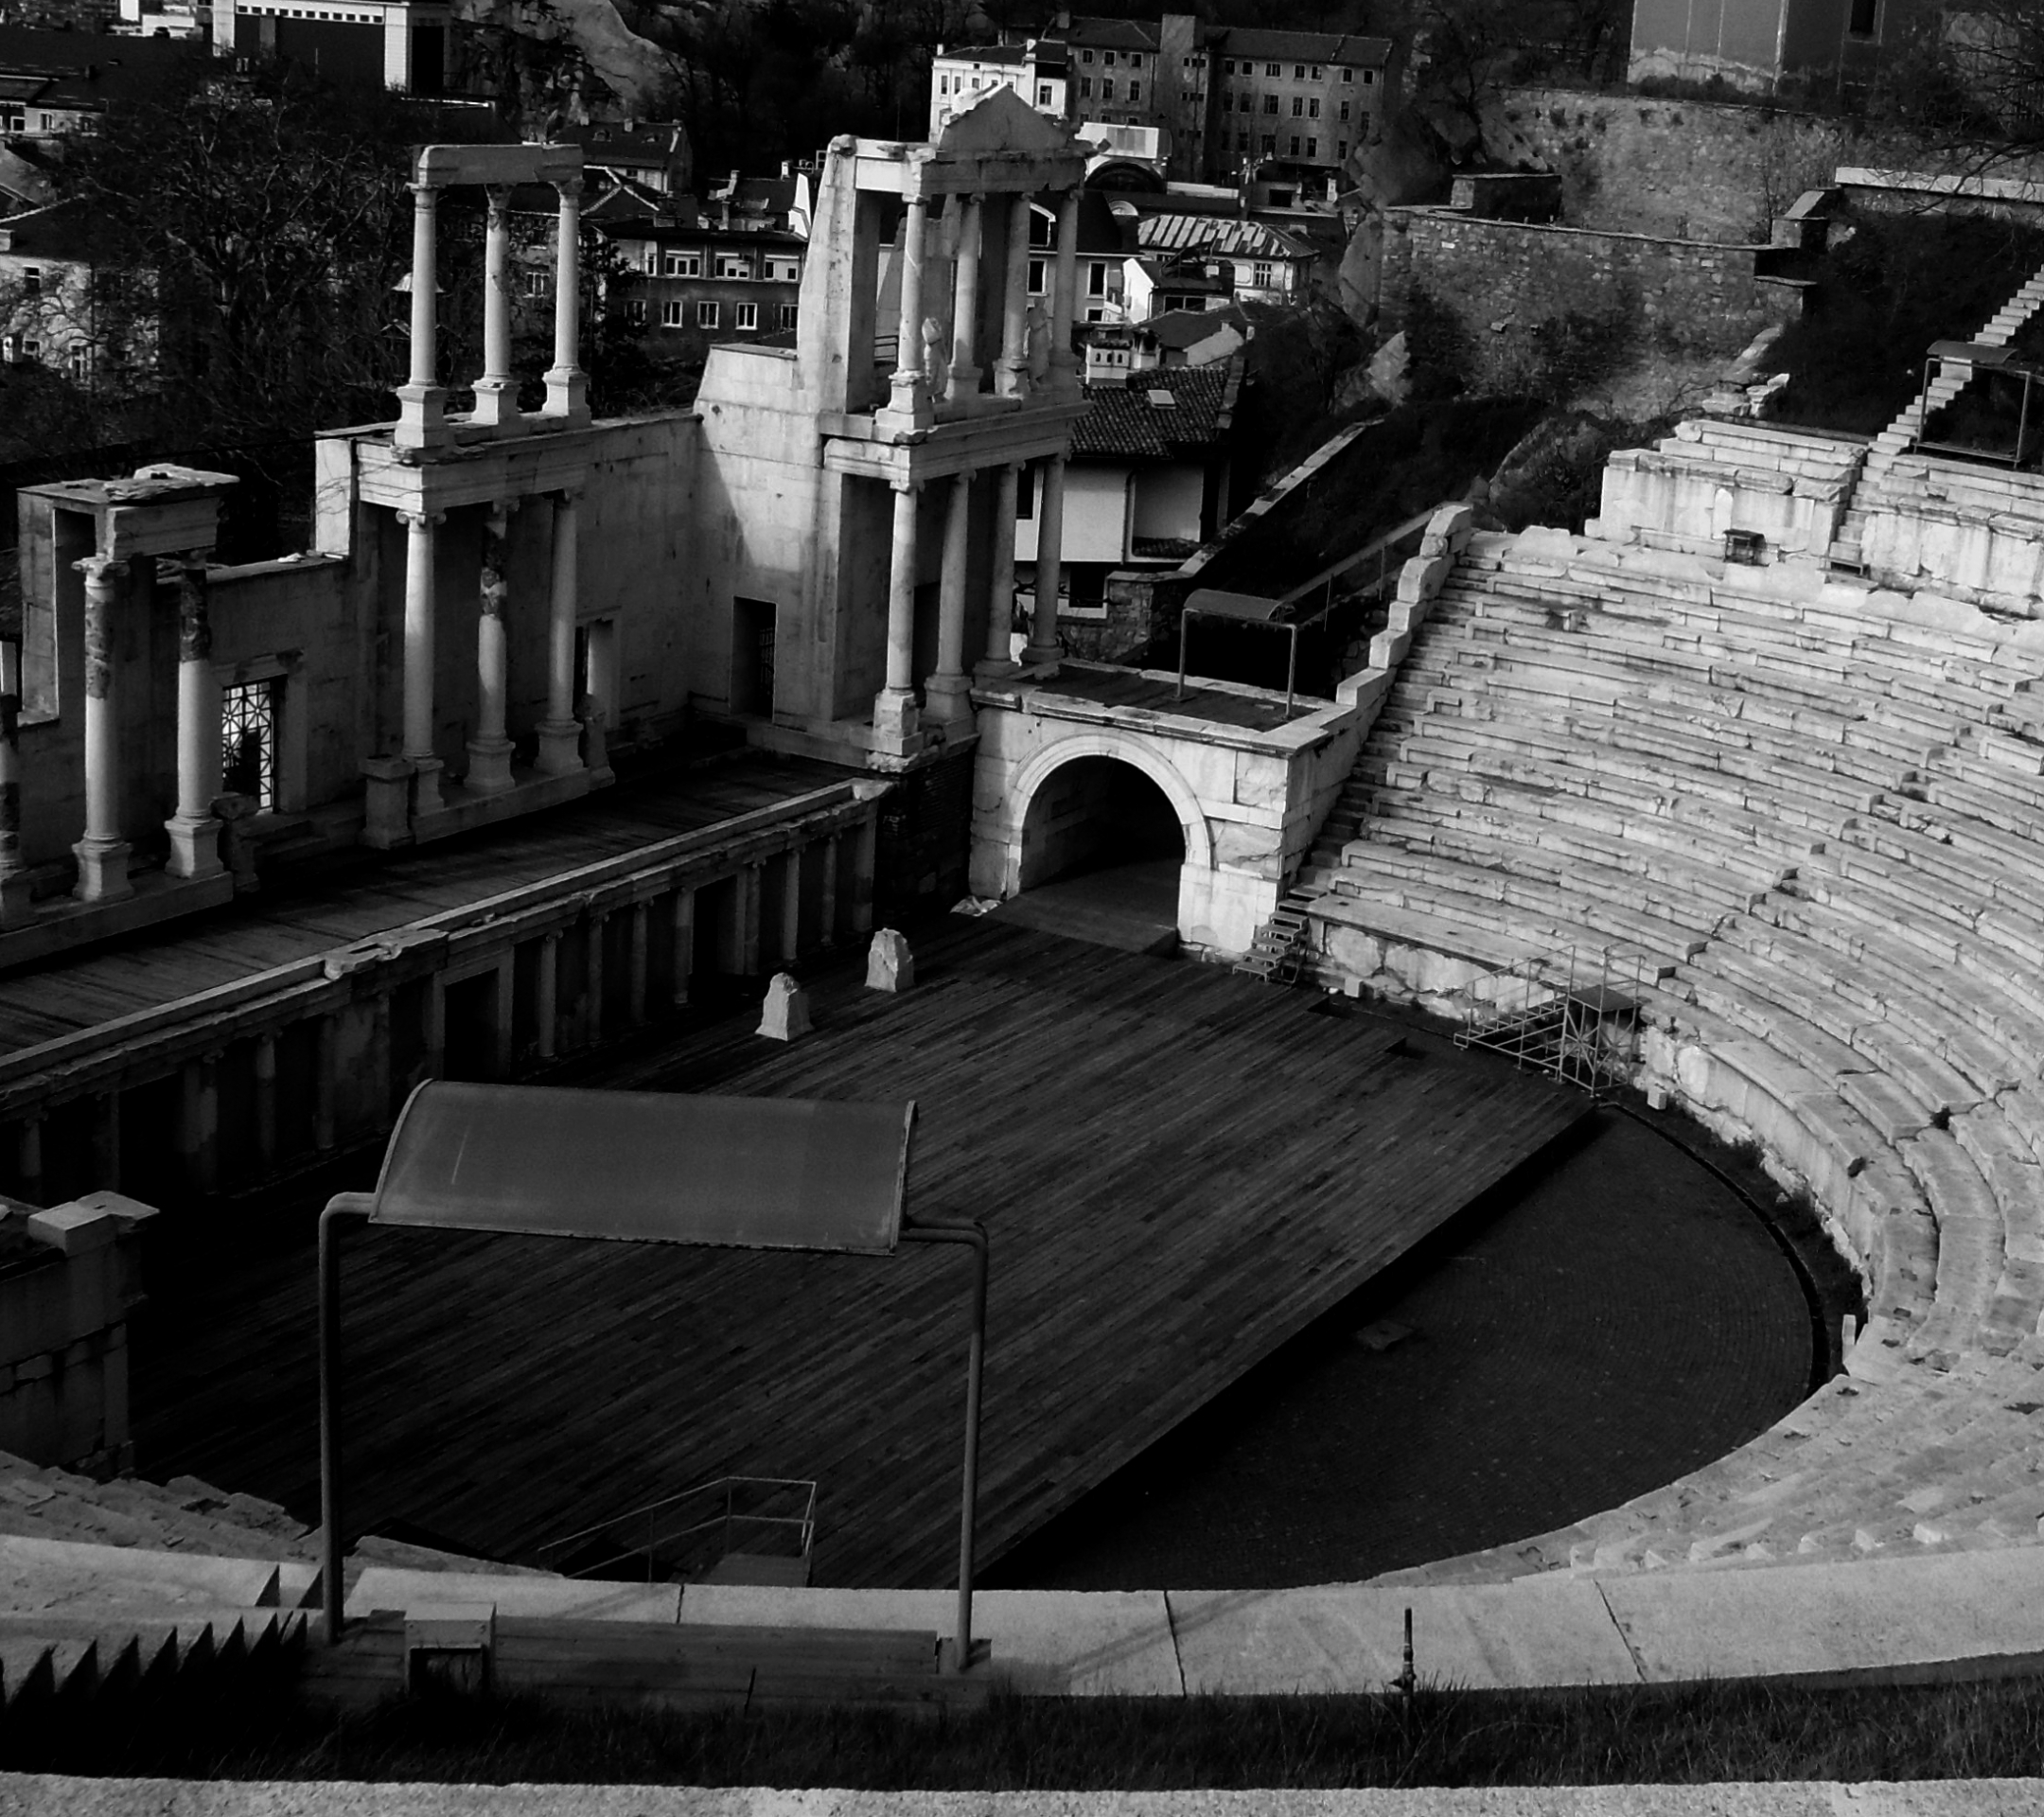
(1797, 815)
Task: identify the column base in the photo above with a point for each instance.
(560, 746)
(897, 724)
(421, 418)
(996, 668)
(567, 396)
(425, 784)
(964, 384)
(194, 846)
(496, 406)
(1010, 378)
(102, 870)
(947, 702)
(489, 766)
(1035, 655)
(386, 801)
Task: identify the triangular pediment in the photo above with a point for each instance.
(1002, 122)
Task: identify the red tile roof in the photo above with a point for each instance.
(1126, 422)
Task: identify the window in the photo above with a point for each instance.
(1313, 108)
(79, 360)
(783, 271)
(1260, 276)
(248, 741)
(1299, 106)
(651, 262)
(1864, 15)
(1106, 88)
(1270, 103)
(1134, 60)
(1369, 76)
(1134, 91)
(944, 85)
(1348, 75)
(31, 279)
(1295, 151)
(671, 313)
(1317, 72)
(1085, 56)
(1312, 148)
(747, 316)
(1085, 88)
(685, 264)
(1107, 57)
(1036, 277)
(734, 265)
(1228, 68)
(536, 283)
(635, 311)
(1096, 283)
(706, 315)
(1270, 145)
(1026, 494)
(1299, 72)
(1341, 151)
(786, 315)
(1344, 108)
(1273, 69)
(1043, 94)
(1241, 141)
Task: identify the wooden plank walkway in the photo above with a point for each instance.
(1178, 1169)
(357, 897)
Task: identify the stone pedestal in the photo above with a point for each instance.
(897, 723)
(784, 1015)
(947, 702)
(102, 870)
(386, 801)
(889, 964)
(489, 765)
(194, 846)
(426, 784)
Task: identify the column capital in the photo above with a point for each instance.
(498, 195)
(419, 519)
(98, 570)
(902, 483)
(426, 195)
(569, 188)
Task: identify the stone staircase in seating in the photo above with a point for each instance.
(1798, 815)
(1944, 385)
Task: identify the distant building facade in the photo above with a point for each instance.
(1760, 44)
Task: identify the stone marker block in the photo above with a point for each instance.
(76, 1229)
(889, 964)
(784, 1015)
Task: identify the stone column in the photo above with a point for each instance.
(561, 732)
(496, 391)
(102, 853)
(28, 1157)
(503, 1017)
(827, 907)
(489, 750)
(997, 662)
(964, 380)
(194, 832)
(14, 906)
(897, 725)
(593, 975)
(865, 854)
(567, 386)
(637, 961)
(1065, 296)
(909, 394)
(264, 1067)
(1043, 644)
(946, 693)
(419, 660)
(747, 897)
(791, 906)
(421, 402)
(1011, 373)
(199, 1122)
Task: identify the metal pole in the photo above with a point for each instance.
(332, 1546)
(1185, 620)
(973, 1235)
(1290, 674)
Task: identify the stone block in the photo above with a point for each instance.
(889, 964)
(784, 1015)
(75, 1228)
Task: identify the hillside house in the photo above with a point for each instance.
(1761, 44)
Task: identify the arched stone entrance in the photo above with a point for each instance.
(1096, 814)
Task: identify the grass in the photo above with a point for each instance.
(1451, 1737)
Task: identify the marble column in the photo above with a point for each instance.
(264, 1067)
(1065, 296)
(567, 385)
(546, 996)
(14, 906)
(827, 905)
(1043, 644)
(496, 391)
(964, 380)
(948, 693)
(1011, 373)
(897, 727)
(684, 945)
(421, 402)
(194, 831)
(102, 853)
(419, 658)
(997, 662)
(908, 391)
(638, 961)
(489, 750)
(561, 732)
(791, 869)
(503, 1017)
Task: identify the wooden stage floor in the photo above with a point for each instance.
(1178, 1168)
(355, 896)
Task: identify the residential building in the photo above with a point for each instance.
(1102, 254)
(655, 154)
(693, 282)
(1252, 262)
(1146, 483)
(51, 82)
(1761, 44)
(1303, 99)
(402, 43)
(963, 76)
(48, 303)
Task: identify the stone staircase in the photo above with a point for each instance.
(1280, 947)
(1944, 385)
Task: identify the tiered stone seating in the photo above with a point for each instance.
(1805, 810)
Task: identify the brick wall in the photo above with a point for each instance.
(925, 837)
(1505, 283)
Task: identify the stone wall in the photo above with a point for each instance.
(924, 835)
(1686, 170)
(1508, 285)
(69, 1277)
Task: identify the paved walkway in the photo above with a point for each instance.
(35, 1796)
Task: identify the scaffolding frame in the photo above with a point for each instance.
(1578, 1029)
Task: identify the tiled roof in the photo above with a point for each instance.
(1123, 420)
(1304, 47)
(1113, 34)
(1222, 237)
(1182, 328)
(88, 69)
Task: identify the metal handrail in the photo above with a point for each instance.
(656, 1536)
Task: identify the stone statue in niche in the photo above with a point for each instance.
(936, 361)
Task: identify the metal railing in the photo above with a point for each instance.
(683, 1536)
